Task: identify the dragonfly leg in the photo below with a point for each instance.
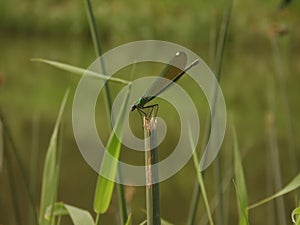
(153, 111)
(149, 115)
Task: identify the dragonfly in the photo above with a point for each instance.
(172, 72)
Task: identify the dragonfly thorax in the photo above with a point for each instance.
(140, 103)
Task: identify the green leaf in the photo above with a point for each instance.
(51, 169)
(200, 179)
(128, 222)
(294, 184)
(143, 223)
(164, 222)
(240, 183)
(104, 187)
(78, 216)
(296, 216)
(80, 71)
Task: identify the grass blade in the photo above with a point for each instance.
(128, 222)
(13, 191)
(281, 74)
(241, 190)
(15, 152)
(34, 159)
(296, 216)
(200, 180)
(218, 65)
(104, 186)
(51, 169)
(143, 223)
(274, 153)
(108, 101)
(78, 216)
(164, 222)
(294, 184)
(80, 71)
(1, 147)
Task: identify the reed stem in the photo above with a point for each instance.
(151, 160)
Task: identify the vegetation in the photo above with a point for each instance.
(253, 45)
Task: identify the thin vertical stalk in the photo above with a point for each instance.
(12, 187)
(270, 190)
(1, 148)
(98, 52)
(151, 160)
(217, 65)
(274, 154)
(108, 101)
(34, 164)
(286, 106)
(15, 153)
(1, 166)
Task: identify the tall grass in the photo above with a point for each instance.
(217, 59)
(15, 152)
(51, 211)
(49, 189)
(108, 100)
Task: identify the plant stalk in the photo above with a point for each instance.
(151, 160)
(217, 68)
(21, 167)
(108, 101)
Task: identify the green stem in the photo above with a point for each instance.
(34, 164)
(201, 184)
(13, 190)
(97, 219)
(194, 204)
(15, 153)
(108, 101)
(274, 155)
(286, 106)
(98, 52)
(218, 67)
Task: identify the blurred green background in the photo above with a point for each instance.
(31, 92)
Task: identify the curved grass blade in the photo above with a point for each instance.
(296, 216)
(240, 183)
(104, 187)
(294, 184)
(78, 216)
(80, 71)
(51, 168)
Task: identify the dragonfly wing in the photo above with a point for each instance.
(171, 72)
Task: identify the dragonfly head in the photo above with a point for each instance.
(133, 107)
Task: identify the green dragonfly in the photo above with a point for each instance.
(172, 72)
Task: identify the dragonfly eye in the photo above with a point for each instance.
(133, 107)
